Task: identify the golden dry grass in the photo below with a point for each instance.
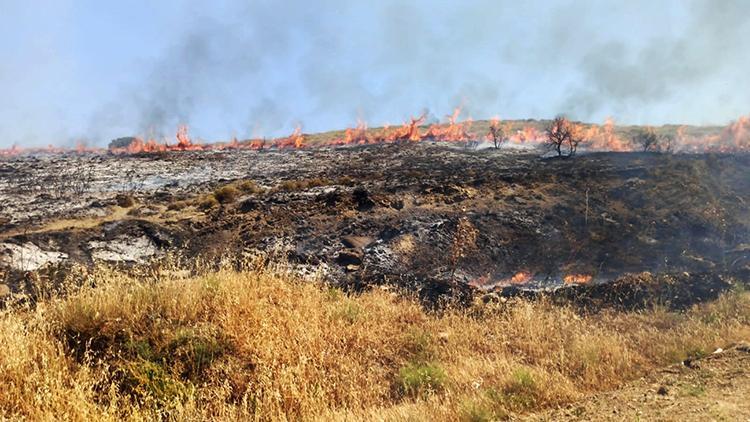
(262, 344)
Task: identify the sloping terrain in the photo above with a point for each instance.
(433, 218)
(715, 388)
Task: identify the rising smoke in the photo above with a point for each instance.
(261, 68)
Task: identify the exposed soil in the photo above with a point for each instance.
(714, 388)
(657, 224)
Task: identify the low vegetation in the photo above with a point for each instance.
(226, 194)
(261, 343)
(303, 184)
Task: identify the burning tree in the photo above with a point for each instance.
(563, 136)
(650, 141)
(646, 139)
(497, 133)
(666, 143)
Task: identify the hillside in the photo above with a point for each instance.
(430, 218)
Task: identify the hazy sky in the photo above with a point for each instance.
(95, 70)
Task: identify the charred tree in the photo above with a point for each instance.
(497, 133)
(563, 137)
(647, 140)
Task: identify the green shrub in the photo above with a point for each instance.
(522, 391)
(349, 312)
(420, 344)
(149, 381)
(191, 353)
(419, 379)
(694, 390)
(141, 349)
(476, 411)
(490, 406)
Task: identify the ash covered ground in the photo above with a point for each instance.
(434, 219)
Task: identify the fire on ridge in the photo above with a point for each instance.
(733, 138)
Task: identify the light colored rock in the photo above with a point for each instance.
(123, 249)
(28, 256)
(4, 290)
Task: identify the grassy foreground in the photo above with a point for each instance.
(262, 344)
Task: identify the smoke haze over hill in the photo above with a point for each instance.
(82, 70)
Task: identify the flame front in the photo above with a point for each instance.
(454, 131)
(521, 277)
(577, 279)
(733, 138)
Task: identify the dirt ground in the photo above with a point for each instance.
(714, 388)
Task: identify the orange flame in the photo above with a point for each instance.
(577, 279)
(356, 135)
(521, 277)
(733, 138)
(455, 131)
(295, 140)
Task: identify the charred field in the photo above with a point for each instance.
(435, 220)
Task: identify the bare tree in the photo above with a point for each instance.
(497, 133)
(471, 145)
(646, 139)
(132, 181)
(666, 143)
(75, 180)
(563, 136)
(650, 141)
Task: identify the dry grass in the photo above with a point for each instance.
(262, 344)
(303, 184)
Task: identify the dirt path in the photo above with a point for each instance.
(715, 388)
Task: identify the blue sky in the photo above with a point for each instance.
(95, 70)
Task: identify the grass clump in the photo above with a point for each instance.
(420, 379)
(349, 312)
(124, 200)
(226, 194)
(249, 187)
(694, 390)
(303, 184)
(208, 203)
(151, 384)
(192, 352)
(522, 391)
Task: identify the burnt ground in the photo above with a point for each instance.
(435, 219)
